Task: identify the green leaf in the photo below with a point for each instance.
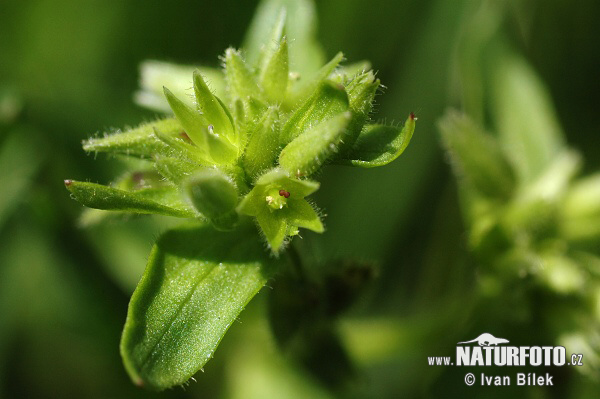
(263, 146)
(138, 142)
(197, 282)
(309, 151)
(161, 200)
(525, 117)
(378, 145)
(212, 109)
(477, 157)
(330, 99)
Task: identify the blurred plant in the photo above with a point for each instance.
(242, 153)
(533, 226)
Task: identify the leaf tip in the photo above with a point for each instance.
(412, 116)
(68, 183)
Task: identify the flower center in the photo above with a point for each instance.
(277, 198)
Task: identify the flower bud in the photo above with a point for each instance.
(214, 195)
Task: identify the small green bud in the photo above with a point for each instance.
(263, 144)
(330, 99)
(214, 195)
(309, 151)
(211, 192)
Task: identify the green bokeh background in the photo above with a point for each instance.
(68, 69)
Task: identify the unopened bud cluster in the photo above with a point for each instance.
(252, 151)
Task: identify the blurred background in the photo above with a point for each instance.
(68, 70)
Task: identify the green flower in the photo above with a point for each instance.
(277, 202)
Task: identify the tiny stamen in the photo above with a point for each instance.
(284, 193)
